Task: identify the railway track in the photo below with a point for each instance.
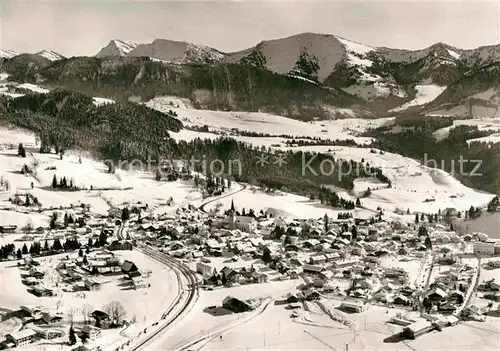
(180, 300)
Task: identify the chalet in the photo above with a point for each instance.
(311, 295)
(138, 283)
(129, 268)
(50, 318)
(22, 337)
(120, 245)
(312, 269)
(92, 285)
(236, 305)
(230, 274)
(309, 244)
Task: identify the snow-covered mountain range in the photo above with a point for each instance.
(440, 79)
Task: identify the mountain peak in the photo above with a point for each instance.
(51, 55)
(5, 53)
(117, 47)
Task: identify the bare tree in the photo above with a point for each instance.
(85, 311)
(71, 315)
(115, 311)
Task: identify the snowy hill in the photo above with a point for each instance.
(51, 55)
(117, 48)
(5, 53)
(177, 52)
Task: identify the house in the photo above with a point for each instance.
(50, 318)
(418, 328)
(245, 224)
(484, 248)
(41, 291)
(92, 285)
(318, 259)
(204, 269)
(230, 274)
(259, 277)
(352, 307)
(129, 268)
(313, 269)
(8, 229)
(311, 295)
(21, 338)
(235, 305)
(120, 245)
(436, 294)
(292, 298)
(91, 332)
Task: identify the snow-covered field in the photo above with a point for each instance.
(483, 124)
(425, 94)
(122, 187)
(198, 324)
(145, 306)
(257, 122)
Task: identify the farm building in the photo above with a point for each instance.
(352, 307)
(129, 268)
(416, 329)
(235, 305)
(92, 285)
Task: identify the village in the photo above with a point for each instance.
(124, 261)
(434, 277)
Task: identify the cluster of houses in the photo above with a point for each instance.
(39, 324)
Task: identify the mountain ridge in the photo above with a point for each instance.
(348, 74)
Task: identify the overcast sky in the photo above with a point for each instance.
(83, 27)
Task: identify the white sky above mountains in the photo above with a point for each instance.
(73, 27)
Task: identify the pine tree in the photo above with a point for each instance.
(25, 249)
(54, 182)
(46, 246)
(416, 218)
(19, 254)
(27, 203)
(57, 245)
(358, 202)
(125, 214)
(72, 336)
(21, 151)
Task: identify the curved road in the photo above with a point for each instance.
(202, 206)
(193, 292)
